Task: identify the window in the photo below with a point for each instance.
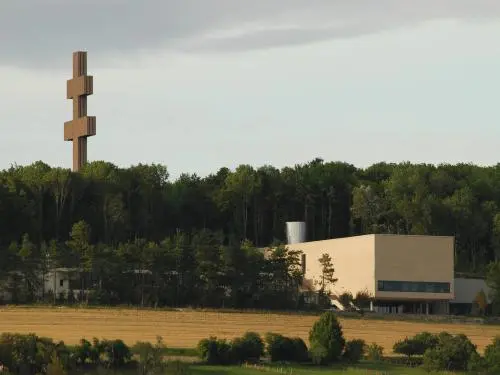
(61, 282)
(413, 286)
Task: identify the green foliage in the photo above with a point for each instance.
(55, 367)
(362, 299)
(300, 351)
(54, 217)
(150, 357)
(83, 352)
(327, 272)
(215, 351)
(417, 345)
(492, 357)
(493, 282)
(452, 353)
(319, 354)
(345, 299)
(374, 352)
(250, 347)
(116, 353)
(354, 350)
(327, 333)
(282, 348)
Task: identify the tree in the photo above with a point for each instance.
(326, 335)
(79, 243)
(327, 275)
(493, 282)
(126, 207)
(59, 182)
(481, 302)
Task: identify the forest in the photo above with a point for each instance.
(207, 230)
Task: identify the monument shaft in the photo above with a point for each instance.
(82, 126)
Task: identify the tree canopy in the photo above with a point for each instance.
(198, 225)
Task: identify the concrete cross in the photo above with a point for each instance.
(82, 126)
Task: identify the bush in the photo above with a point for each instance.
(319, 354)
(150, 358)
(492, 356)
(250, 347)
(477, 365)
(345, 299)
(300, 352)
(214, 351)
(452, 353)
(82, 352)
(354, 350)
(117, 353)
(281, 348)
(362, 299)
(327, 333)
(417, 345)
(374, 352)
(55, 367)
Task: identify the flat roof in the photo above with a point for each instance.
(376, 235)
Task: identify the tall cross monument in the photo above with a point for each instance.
(82, 126)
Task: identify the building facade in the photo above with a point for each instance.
(401, 273)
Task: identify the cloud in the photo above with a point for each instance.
(43, 32)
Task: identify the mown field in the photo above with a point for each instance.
(183, 329)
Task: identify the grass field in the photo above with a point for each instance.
(361, 369)
(183, 329)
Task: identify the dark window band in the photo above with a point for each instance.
(413, 286)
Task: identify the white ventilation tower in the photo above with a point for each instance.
(295, 232)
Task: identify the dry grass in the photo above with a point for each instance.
(186, 328)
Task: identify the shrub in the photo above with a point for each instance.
(214, 351)
(452, 353)
(354, 350)
(374, 352)
(345, 299)
(281, 348)
(362, 299)
(150, 358)
(250, 347)
(327, 333)
(82, 352)
(477, 365)
(417, 345)
(117, 353)
(492, 356)
(278, 347)
(300, 352)
(319, 354)
(55, 367)
(97, 351)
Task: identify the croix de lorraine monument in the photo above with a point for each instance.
(82, 126)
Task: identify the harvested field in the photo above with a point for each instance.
(185, 328)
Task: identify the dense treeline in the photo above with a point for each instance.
(335, 199)
(135, 218)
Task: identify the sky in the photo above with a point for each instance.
(201, 84)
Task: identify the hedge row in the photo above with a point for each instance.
(446, 352)
(30, 354)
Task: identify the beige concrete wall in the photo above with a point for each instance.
(353, 259)
(414, 258)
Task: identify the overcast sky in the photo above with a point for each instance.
(197, 85)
